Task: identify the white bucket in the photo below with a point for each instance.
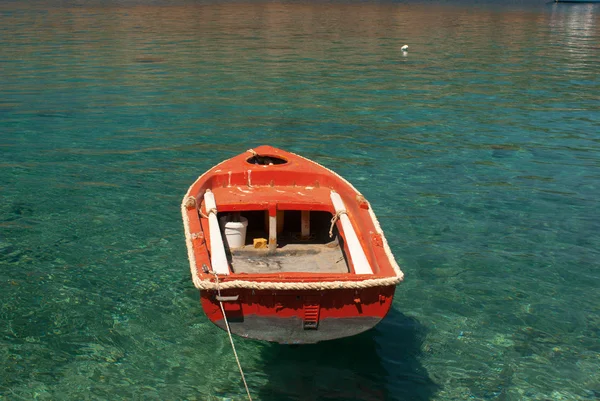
(235, 231)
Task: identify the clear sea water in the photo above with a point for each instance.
(479, 150)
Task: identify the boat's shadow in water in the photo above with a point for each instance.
(379, 365)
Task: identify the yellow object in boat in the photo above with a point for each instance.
(260, 243)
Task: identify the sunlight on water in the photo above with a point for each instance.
(478, 149)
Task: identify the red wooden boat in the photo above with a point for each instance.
(292, 251)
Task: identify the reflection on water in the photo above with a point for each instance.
(578, 25)
(478, 149)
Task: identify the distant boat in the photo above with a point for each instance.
(292, 251)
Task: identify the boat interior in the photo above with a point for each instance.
(303, 243)
(284, 229)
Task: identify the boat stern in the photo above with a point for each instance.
(299, 317)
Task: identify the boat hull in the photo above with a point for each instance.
(325, 272)
(299, 317)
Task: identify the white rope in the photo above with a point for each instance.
(208, 212)
(204, 284)
(334, 220)
(231, 338)
(190, 201)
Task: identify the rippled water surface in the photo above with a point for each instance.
(479, 150)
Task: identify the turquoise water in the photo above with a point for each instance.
(478, 149)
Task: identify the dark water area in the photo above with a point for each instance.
(478, 148)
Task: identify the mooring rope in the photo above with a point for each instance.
(231, 338)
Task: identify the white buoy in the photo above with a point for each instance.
(404, 48)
